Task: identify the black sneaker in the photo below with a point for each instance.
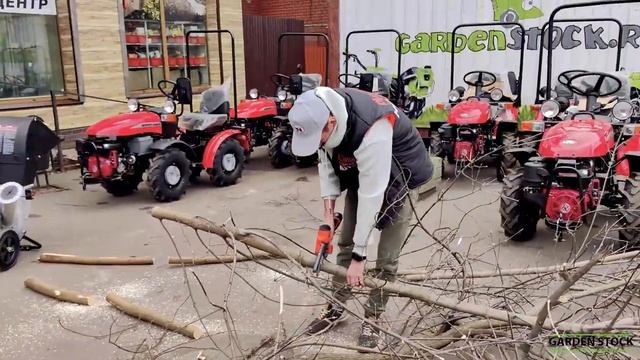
(328, 318)
(369, 335)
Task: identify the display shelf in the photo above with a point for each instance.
(143, 42)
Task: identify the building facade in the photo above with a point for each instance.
(109, 49)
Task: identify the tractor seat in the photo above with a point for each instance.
(214, 112)
(202, 122)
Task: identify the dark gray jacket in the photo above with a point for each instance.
(411, 166)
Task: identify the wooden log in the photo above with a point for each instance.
(222, 259)
(91, 260)
(153, 317)
(58, 293)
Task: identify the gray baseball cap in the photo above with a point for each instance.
(308, 117)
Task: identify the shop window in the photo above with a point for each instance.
(156, 46)
(30, 53)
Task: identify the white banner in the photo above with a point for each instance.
(31, 7)
(426, 26)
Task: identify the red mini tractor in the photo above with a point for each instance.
(479, 126)
(589, 159)
(172, 148)
(266, 116)
(545, 112)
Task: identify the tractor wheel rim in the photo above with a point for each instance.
(229, 162)
(172, 175)
(285, 147)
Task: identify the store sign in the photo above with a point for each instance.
(426, 38)
(31, 7)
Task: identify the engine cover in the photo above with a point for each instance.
(101, 167)
(564, 205)
(578, 138)
(470, 112)
(464, 150)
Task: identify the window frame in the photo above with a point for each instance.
(40, 101)
(155, 92)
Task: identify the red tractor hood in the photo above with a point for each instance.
(470, 112)
(251, 109)
(128, 124)
(579, 138)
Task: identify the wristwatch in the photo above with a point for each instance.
(357, 257)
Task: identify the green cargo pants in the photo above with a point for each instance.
(389, 247)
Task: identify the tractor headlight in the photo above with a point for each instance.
(169, 106)
(133, 104)
(131, 159)
(631, 130)
(454, 95)
(623, 110)
(253, 93)
(496, 94)
(550, 108)
(282, 95)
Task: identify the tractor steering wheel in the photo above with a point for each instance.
(278, 80)
(485, 78)
(346, 82)
(564, 77)
(173, 89)
(586, 89)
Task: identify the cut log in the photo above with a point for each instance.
(91, 260)
(58, 293)
(153, 317)
(222, 259)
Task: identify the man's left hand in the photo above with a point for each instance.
(355, 274)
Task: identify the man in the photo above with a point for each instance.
(370, 149)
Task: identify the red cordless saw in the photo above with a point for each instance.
(324, 239)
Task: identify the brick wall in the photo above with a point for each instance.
(318, 16)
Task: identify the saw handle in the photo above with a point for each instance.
(325, 237)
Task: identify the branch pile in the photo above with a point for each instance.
(446, 315)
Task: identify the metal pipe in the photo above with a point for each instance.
(56, 124)
(546, 26)
(522, 41)
(303, 35)
(401, 88)
(552, 18)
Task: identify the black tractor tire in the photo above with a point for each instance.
(306, 161)
(629, 233)
(277, 155)
(508, 162)
(195, 174)
(161, 189)
(9, 249)
(224, 177)
(518, 220)
(124, 186)
(435, 145)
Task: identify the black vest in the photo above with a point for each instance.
(410, 165)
